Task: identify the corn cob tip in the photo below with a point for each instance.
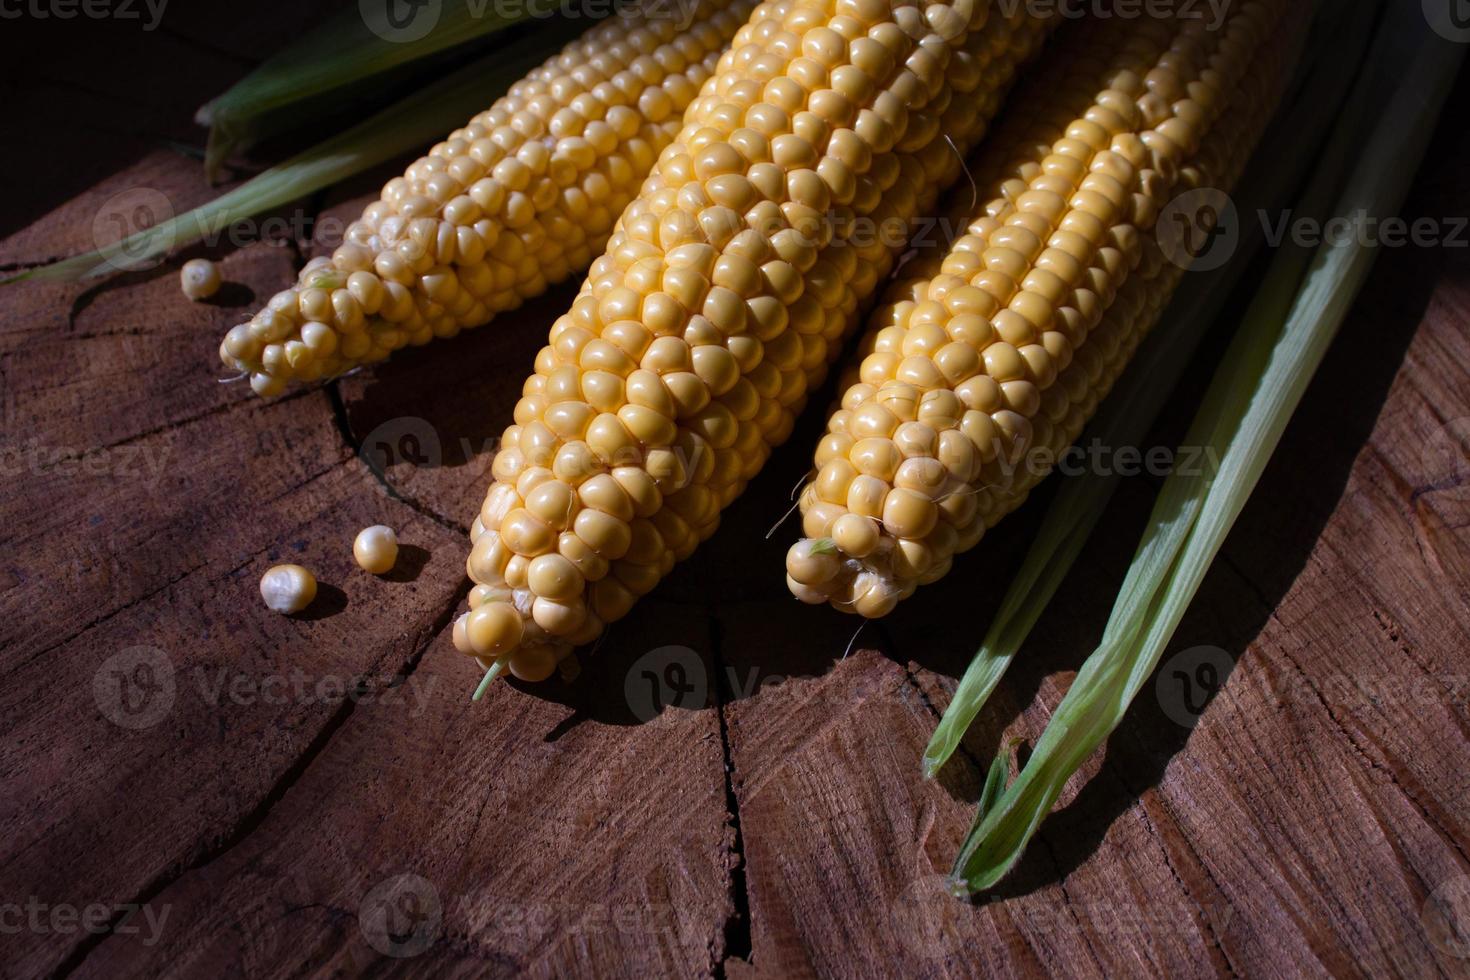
(860, 579)
(504, 631)
(517, 200)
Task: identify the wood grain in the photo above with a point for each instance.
(319, 796)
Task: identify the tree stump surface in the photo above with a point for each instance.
(191, 785)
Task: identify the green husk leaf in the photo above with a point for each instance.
(1262, 379)
(995, 779)
(323, 69)
(417, 120)
(995, 785)
(1137, 399)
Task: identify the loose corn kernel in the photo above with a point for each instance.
(287, 588)
(519, 199)
(376, 549)
(1012, 335)
(199, 279)
(724, 293)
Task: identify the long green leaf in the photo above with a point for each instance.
(1138, 398)
(320, 70)
(422, 118)
(1286, 334)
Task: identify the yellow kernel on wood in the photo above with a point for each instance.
(376, 549)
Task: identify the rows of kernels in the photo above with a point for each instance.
(518, 200)
(724, 293)
(949, 398)
(1142, 300)
(873, 463)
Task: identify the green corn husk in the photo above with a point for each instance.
(1284, 337)
(331, 64)
(1124, 419)
(416, 121)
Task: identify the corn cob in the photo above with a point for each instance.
(724, 294)
(1007, 341)
(516, 201)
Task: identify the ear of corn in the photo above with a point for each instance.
(987, 361)
(724, 294)
(518, 199)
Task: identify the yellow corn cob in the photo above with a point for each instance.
(518, 200)
(722, 298)
(1141, 301)
(1007, 341)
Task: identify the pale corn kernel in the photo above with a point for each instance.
(856, 535)
(813, 561)
(493, 629)
(554, 577)
(461, 637)
(287, 588)
(376, 549)
(200, 279)
(534, 663)
(558, 618)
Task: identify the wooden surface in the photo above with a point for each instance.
(1314, 822)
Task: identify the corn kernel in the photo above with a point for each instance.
(199, 279)
(376, 549)
(287, 588)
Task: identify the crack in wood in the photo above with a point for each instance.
(250, 404)
(1392, 634)
(192, 570)
(1215, 938)
(256, 817)
(1067, 903)
(25, 265)
(344, 430)
(736, 941)
(1347, 734)
(1342, 728)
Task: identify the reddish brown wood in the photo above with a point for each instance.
(774, 825)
